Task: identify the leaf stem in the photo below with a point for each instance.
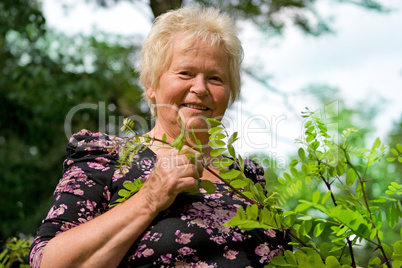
(361, 181)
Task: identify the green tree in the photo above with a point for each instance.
(338, 117)
(45, 77)
(271, 16)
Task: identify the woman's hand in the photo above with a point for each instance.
(172, 174)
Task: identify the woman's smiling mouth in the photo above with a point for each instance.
(195, 106)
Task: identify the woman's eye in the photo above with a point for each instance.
(216, 79)
(185, 74)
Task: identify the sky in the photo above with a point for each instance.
(363, 59)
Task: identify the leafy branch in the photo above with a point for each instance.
(351, 219)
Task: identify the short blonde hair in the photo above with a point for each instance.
(206, 24)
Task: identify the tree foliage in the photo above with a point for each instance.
(45, 77)
(272, 15)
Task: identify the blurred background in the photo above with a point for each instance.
(68, 64)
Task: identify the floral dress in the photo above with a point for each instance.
(190, 233)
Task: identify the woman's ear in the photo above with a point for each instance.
(150, 92)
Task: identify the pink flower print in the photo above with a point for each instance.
(148, 252)
(186, 251)
(270, 233)
(95, 134)
(212, 196)
(98, 166)
(237, 237)
(146, 164)
(183, 238)
(83, 132)
(53, 212)
(143, 251)
(68, 182)
(264, 252)
(166, 258)
(218, 239)
(155, 237)
(230, 254)
(213, 203)
(102, 160)
(119, 173)
(106, 193)
(67, 226)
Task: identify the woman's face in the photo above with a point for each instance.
(194, 87)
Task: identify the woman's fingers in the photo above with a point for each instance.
(173, 173)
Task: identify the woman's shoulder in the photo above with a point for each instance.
(86, 144)
(86, 141)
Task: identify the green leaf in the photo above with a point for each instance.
(316, 197)
(350, 177)
(290, 258)
(294, 172)
(396, 185)
(232, 138)
(318, 229)
(309, 130)
(287, 177)
(307, 124)
(223, 162)
(397, 255)
(208, 186)
(310, 138)
(302, 207)
(305, 227)
(289, 220)
(399, 146)
(216, 143)
(374, 262)
(217, 152)
(229, 174)
(178, 142)
(252, 212)
(193, 191)
(301, 153)
(394, 151)
(213, 122)
(332, 262)
(123, 192)
(391, 159)
(293, 163)
(325, 198)
(215, 130)
(305, 168)
(238, 184)
(359, 190)
(387, 250)
(241, 162)
(231, 151)
(192, 156)
(217, 136)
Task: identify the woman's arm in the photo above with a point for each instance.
(103, 241)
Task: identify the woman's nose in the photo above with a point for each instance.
(199, 86)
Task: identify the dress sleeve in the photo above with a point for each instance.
(83, 191)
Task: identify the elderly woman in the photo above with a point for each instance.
(190, 69)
